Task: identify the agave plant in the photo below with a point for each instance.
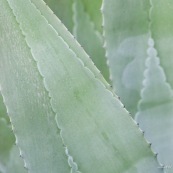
(86, 86)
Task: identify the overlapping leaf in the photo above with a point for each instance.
(126, 35)
(44, 75)
(27, 101)
(155, 115)
(86, 27)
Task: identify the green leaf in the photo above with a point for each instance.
(86, 26)
(155, 115)
(89, 37)
(9, 160)
(98, 132)
(126, 35)
(161, 31)
(45, 68)
(63, 9)
(72, 43)
(26, 99)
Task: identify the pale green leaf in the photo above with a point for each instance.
(89, 37)
(72, 43)
(26, 99)
(99, 134)
(162, 33)
(155, 115)
(86, 25)
(126, 35)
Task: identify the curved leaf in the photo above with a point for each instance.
(126, 35)
(27, 100)
(72, 43)
(86, 25)
(155, 115)
(98, 132)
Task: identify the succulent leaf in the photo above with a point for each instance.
(26, 98)
(45, 76)
(126, 34)
(155, 115)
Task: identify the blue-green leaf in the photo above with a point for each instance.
(155, 115)
(45, 72)
(126, 35)
(26, 99)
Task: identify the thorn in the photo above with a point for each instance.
(150, 144)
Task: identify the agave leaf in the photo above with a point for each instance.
(126, 35)
(161, 30)
(86, 26)
(90, 38)
(72, 43)
(155, 115)
(98, 132)
(7, 155)
(63, 9)
(27, 101)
